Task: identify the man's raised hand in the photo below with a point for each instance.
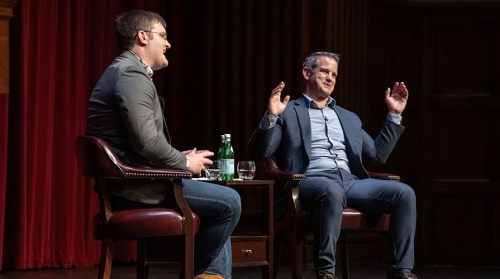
(275, 106)
(396, 100)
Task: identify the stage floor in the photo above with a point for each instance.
(364, 271)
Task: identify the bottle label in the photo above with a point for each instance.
(227, 166)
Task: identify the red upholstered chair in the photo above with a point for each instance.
(296, 220)
(98, 161)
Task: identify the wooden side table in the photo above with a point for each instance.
(250, 248)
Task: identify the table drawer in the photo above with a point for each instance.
(249, 248)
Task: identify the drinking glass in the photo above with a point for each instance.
(246, 170)
(212, 172)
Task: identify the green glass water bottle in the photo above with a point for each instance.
(222, 141)
(227, 158)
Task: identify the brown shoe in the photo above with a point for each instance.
(208, 276)
(326, 275)
(406, 276)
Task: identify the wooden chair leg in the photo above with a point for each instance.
(387, 252)
(343, 254)
(106, 259)
(278, 244)
(297, 259)
(188, 264)
(142, 267)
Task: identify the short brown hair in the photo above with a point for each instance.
(311, 61)
(130, 23)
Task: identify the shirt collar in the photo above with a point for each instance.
(311, 104)
(146, 66)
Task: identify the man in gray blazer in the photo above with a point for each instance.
(125, 110)
(314, 136)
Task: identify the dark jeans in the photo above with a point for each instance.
(326, 194)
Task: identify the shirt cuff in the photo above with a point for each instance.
(398, 119)
(187, 162)
(268, 121)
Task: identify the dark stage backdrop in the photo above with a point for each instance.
(226, 56)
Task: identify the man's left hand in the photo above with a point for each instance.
(396, 100)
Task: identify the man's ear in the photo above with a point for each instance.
(142, 37)
(306, 73)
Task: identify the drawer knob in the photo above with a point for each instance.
(248, 252)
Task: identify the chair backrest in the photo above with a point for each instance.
(97, 159)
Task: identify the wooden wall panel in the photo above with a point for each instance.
(457, 219)
(460, 145)
(4, 56)
(452, 119)
(463, 144)
(394, 55)
(462, 59)
(6, 7)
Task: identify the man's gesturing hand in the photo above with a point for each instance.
(275, 106)
(396, 101)
(198, 160)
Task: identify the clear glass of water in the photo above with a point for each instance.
(213, 172)
(246, 170)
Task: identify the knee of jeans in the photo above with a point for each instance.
(234, 201)
(314, 192)
(407, 195)
(335, 196)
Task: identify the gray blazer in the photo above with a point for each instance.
(290, 140)
(124, 109)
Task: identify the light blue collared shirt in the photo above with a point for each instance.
(328, 151)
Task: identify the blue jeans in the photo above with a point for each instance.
(326, 194)
(219, 209)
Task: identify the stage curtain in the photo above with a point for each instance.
(59, 49)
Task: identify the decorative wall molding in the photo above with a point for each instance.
(6, 7)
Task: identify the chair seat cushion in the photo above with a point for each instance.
(353, 219)
(142, 223)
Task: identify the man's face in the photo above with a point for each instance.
(321, 80)
(157, 46)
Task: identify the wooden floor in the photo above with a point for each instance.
(357, 272)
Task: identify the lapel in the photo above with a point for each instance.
(353, 140)
(344, 122)
(304, 123)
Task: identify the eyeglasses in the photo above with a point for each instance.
(162, 34)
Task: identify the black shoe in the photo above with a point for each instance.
(328, 275)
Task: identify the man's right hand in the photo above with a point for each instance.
(198, 160)
(275, 106)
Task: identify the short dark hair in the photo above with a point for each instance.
(311, 61)
(130, 23)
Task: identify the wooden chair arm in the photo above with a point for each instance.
(383, 175)
(277, 174)
(274, 173)
(137, 172)
(90, 154)
(98, 160)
